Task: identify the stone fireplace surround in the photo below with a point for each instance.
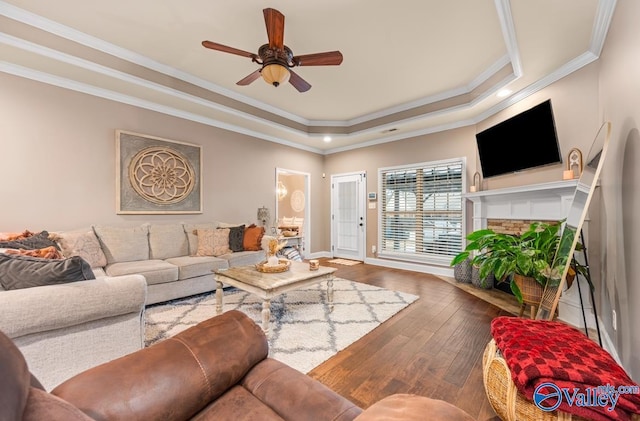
(512, 209)
(510, 226)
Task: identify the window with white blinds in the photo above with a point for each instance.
(421, 212)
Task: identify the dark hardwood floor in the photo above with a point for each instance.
(431, 348)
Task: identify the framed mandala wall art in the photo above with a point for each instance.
(157, 176)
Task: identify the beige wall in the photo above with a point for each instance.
(58, 161)
(620, 249)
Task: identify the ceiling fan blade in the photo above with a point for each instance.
(299, 83)
(226, 49)
(248, 79)
(274, 21)
(330, 58)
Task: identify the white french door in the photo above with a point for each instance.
(348, 224)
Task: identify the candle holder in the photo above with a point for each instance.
(574, 165)
(477, 182)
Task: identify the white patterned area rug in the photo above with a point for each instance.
(303, 331)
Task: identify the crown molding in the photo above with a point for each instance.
(601, 24)
(503, 7)
(61, 82)
(565, 70)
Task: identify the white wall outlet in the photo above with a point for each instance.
(374, 249)
(614, 320)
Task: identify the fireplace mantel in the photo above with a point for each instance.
(544, 201)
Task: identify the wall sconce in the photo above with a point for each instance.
(281, 190)
(264, 215)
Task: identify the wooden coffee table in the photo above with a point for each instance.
(269, 285)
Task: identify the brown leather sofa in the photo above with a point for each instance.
(218, 370)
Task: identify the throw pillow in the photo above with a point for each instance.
(236, 238)
(221, 241)
(45, 253)
(213, 242)
(167, 241)
(35, 241)
(83, 243)
(291, 253)
(192, 234)
(17, 271)
(253, 238)
(124, 244)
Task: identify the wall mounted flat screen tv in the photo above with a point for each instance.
(524, 141)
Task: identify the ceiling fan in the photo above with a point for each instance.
(276, 59)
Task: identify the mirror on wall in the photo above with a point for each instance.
(575, 219)
(292, 204)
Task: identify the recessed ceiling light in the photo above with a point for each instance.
(327, 139)
(503, 92)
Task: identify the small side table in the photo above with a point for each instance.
(296, 242)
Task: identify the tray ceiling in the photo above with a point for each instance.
(410, 68)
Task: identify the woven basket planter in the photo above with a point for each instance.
(530, 288)
(462, 271)
(487, 283)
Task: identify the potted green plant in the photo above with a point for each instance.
(531, 255)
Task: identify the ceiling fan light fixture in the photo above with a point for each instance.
(275, 74)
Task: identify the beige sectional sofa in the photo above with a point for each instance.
(66, 328)
(165, 254)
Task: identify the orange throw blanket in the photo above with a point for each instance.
(46, 253)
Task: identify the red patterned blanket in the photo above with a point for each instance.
(558, 367)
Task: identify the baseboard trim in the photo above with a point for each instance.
(607, 343)
(416, 267)
(394, 264)
(318, 255)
